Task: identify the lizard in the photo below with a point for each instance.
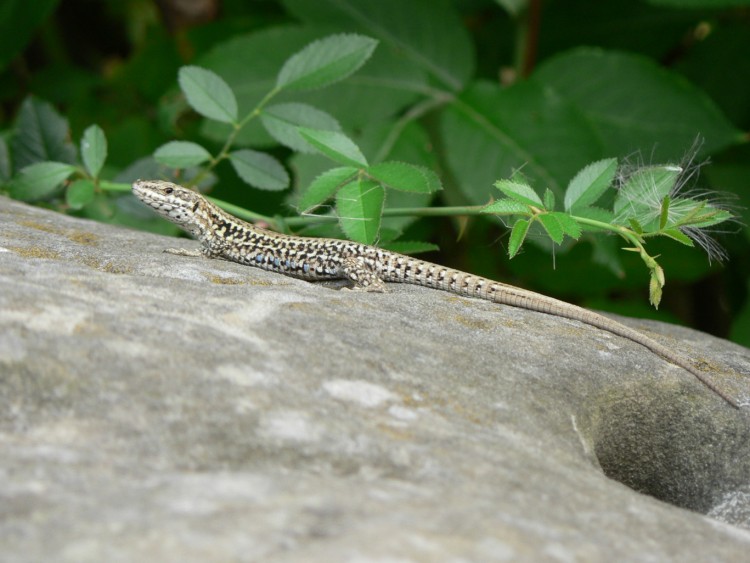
(366, 267)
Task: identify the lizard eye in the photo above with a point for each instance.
(168, 190)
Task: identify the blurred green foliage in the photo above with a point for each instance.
(472, 89)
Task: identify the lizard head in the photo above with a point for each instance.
(175, 203)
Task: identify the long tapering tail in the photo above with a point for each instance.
(418, 272)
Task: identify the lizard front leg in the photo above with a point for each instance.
(207, 250)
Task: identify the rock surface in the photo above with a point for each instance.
(162, 408)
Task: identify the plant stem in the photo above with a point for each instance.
(241, 212)
(114, 186)
(624, 232)
(236, 128)
(527, 38)
(531, 37)
(388, 212)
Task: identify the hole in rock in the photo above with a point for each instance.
(679, 451)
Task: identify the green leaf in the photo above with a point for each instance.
(41, 134)
(387, 235)
(590, 183)
(208, 94)
(488, 134)
(359, 205)
(325, 61)
(324, 186)
(642, 193)
(654, 290)
(658, 179)
(410, 247)
(549, 200)
(440, 44)
(381, 89)
(553, 227)
(335, 145)
(519, 177)
(711, 216)
(411, 145)
(181, 154)
(405, 177)
(519, 192)
(259, 170)
(80, 193)
(517, 236)
(283, 120)
(678, 235)
(93, 149)
(39, 180)
(635, 225)
(664, 216)
(569, 225)
(686, 212)
(636, 104)
(432, 178)
(506, 206)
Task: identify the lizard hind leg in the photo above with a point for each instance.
(364, 276)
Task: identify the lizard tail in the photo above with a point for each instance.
(408, 270)
(517, 297)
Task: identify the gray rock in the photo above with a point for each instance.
(162, 408)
